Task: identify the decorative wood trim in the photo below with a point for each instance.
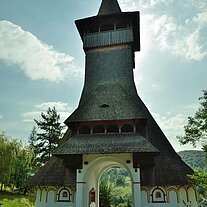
(168, 193)
(50, 189)
(193, 187)
(41, 195)
(136, 182)
(80, 182)
(167, 189)
(186, 191)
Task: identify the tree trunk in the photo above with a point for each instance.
(1, 187)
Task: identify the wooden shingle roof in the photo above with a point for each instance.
(107, 101)
(54, 173)
(109, 7)
(109, 144)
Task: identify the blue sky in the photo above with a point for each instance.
(42, 61)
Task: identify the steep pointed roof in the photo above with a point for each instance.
(109, 7)
(118, 97)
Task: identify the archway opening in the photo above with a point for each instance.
(115, 188)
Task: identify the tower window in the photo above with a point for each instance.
(112, 129)
(85, 130)
(127, 128)
(92, 29)
(122, 25)
(106, 27)
(98, 129)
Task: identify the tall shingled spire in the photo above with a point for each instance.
(109, 7)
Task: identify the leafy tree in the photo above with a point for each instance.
(196, 131)
(105, 194)
(49, 135)
(9, 149)
(200, 180)
(4, 160)
(15, 163)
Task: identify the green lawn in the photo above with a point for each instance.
(16, 200)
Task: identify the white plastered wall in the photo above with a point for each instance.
(93, 167)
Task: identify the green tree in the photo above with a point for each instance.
(9, 149)
(4, 161)
(196, 131)
(50, 131)
(33, 137)
(105, 194)
(23, 169)
(33, 147)
(15, 163)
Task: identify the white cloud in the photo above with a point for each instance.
(201, 18)
(128, 5)
(58, 105)
(62, 108)
(30, 116)
(35, 58)
(193, 49)
(1, 116)
(184, 37)
(171, 124)
(177, 26)
(163, 28)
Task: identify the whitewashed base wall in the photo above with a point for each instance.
(87, 187)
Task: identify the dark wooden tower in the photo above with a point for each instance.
(109, 118)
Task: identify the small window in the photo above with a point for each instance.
(92, 29)
(127, 128)
(112, 129)
(98, 129)
(85, 130)
(64, 195)
(107, 27)
(103, 106)
(158, 196)
(122, 25)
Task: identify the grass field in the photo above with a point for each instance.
(16, 200)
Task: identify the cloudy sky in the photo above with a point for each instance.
(42, 61)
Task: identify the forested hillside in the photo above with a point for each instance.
(194, 158)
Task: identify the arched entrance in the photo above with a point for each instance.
(87, 193)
